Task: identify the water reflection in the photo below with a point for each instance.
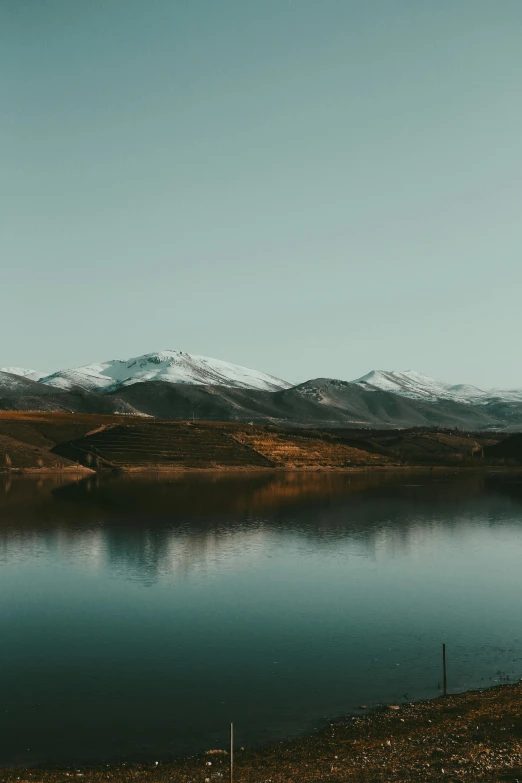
(143, 613)
(163, 527)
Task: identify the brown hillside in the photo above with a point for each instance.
(45, 430)
(15, 455)
(160, 445)
(420, 447)
(289, 450)
(143, 443)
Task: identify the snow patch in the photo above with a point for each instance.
(32, 375)
(170, 366)
(417, 386)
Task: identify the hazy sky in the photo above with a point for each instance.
(308, 187)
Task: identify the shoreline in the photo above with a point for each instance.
(476, 735)
(79, 471)
(247, 469)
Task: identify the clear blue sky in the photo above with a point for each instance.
(308, 187)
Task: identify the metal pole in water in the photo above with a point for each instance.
(231, 753)
(444, 670)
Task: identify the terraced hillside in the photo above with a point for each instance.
(54, 441)
(160, 445)
(28, 438)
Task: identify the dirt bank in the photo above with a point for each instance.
(475, 736)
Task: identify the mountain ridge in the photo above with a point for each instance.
(171, 366)
(177, 385)
(181, 367)
(410, 383)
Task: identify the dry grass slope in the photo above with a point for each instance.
(16, 456)
(136, 443)
(289, 450)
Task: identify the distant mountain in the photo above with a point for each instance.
(170, 366)
(378, 408)
(416, 386)
(31, 375)
(14, 384)
(323, 402)
(177, 385)
(21, 394)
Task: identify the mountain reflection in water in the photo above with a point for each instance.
(142, 613)
(151, 528)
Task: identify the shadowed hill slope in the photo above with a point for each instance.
(65, 402)
(381, 408)
(46, 429)
(420, 447)
(508, 450)
(166, 444)
(16, 455)
(318, 403)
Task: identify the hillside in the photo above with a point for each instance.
(17, 455)
(507, 451)
(384, 408)
(48, 441)
(20, 393)
(164, 445)
(13, 385)
(318, 403)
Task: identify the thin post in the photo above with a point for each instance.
(231, 753)
(444, 670)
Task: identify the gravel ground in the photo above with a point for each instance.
(474, 736)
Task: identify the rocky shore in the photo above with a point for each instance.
(475, 736)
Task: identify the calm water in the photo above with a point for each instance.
(140, 616)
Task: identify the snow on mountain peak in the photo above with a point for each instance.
(415, 385)
(170, 366)
(175, 366)
(408, 383)
(32, 375)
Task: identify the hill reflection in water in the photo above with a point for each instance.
(141, 614)
(156, 527)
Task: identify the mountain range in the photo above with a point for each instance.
(177, 385)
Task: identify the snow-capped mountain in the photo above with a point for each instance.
(13, 385)
(22, 372)
(171, 366)
(319, 400)
(417, 386)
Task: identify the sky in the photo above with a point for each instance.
(313, 188)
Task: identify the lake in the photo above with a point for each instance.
(139, 616)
